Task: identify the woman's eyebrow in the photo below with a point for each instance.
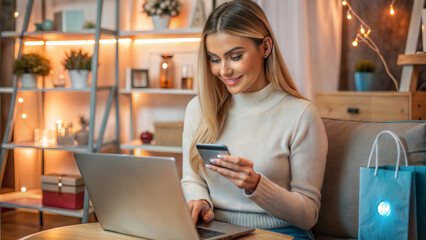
(227, 52)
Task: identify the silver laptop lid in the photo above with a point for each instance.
(133, 195)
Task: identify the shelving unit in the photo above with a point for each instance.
(32, 198)
(154, 37)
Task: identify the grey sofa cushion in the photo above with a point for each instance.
(350, 144)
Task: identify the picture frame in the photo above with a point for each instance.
(139, 78)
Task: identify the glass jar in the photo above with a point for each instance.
(166, 71)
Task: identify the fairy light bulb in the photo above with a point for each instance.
(16, 14)
(24, 115)
(355, 43)
(23, 189)
(348, 16)
(391, 10)
(344, 3)
(362, 29)
(367, 33)
(20, 100)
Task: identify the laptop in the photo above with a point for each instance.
(142, 196)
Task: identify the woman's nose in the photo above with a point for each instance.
(225, 70)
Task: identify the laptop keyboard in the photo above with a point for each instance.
(207, 233)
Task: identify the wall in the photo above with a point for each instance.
(388, 32)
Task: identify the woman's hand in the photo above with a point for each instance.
(200, 209)
(237, 170)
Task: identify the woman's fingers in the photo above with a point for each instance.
(200, 209)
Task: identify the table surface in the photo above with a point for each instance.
(91, 231)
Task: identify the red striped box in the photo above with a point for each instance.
(63, 191)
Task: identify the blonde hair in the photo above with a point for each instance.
(242, 18)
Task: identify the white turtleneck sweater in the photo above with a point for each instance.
(285, 138)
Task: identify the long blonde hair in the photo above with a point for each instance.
(242, 18)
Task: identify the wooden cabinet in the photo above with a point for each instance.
(372, 106)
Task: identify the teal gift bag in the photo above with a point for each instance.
(387, 198)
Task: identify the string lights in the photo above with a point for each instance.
(365, 31)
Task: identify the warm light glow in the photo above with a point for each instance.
(349, 16)
(84, 42)
(124, 40)
(164, 66)
(391, 10)
(20, 100)
(362, 30)
(44, 137)
(167, 40)
(16, 14)
(138, 152)
(62, 43)
(24, 115)
(23, 189)
(354, 43)
(34, 43)
(368, 33)
(344, 3)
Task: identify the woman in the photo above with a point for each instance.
(247, 101)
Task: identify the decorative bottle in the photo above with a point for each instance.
(166, 71)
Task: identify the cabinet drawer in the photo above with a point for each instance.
(364, 106)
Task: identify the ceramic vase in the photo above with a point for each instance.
(79, 78)
(28, 80)
(364, 81)
(160, 22)
(82, 136)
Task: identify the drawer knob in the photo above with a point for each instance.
(353, 110)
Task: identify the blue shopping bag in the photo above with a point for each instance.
(387, 198)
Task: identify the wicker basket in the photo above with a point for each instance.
(168, 133)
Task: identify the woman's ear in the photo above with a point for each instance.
(267, 46)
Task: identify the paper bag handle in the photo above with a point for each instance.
(376, 148)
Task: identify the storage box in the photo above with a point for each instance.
(69, 21)
(168, 133)
(62, 191)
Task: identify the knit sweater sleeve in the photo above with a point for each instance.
(308, 149)
(193, 185)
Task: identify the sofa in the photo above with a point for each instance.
(350, 144)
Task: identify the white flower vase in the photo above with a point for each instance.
(79, 78)
(28, 80)
(160, 22)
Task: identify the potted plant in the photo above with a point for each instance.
(79, 64)
(364, 77)
(29, 66)
(161, 11)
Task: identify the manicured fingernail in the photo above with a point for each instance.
(219, 156)
(208, 165)
(212, 161)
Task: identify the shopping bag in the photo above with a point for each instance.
(420, 185)
(387, 198)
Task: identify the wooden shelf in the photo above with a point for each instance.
(85, 34)
(150, 147)
(30, 144)
(166, 33)
(69, 148)
(62, 89)
(159, 91)
(412, 59)
(32, 199)
(6, 90)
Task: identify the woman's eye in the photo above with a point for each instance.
(236, 58)
(213, 60)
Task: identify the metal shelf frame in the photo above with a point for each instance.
(93, 146)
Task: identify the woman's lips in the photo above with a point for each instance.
(232, 81)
